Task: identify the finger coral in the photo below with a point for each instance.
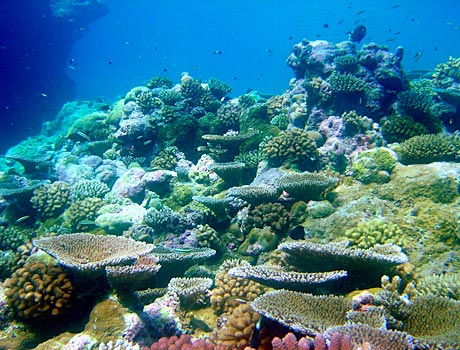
(38, 291)
(51, 200)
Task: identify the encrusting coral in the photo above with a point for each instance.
(39, 291)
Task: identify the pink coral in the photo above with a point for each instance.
(184, 342)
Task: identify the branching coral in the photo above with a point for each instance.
(89, 188)
(397, 128)
(80, 215)
(292, 146)
(272, 215)
(164, 220)
(426, 149)
(192, 292)
(39, 291)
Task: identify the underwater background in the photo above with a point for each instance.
(229, 175)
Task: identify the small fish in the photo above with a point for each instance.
(43, 94)
(396, 33)
(165, 69)
(290, 37)
(87, 223)
(418, 55)
(395, 6)
(22, 218)
(182, 250)
(255, 339)
(269, 51)
(391, 40)
(357, 34)
(217, 52)
(82, 134)
(326, 25)
(147, 142)
(360, 12)
(110, 62)
(317, 35)
(340, 21)
(297, 232)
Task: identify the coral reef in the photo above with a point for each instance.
(306, 186)
(51, 200)
(184, 341)
(191, 291)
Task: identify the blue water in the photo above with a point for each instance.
(244, 43)
(143, 38)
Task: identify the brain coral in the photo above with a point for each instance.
(39, 291)
(292, 146)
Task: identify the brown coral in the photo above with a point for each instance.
(227, 288)
(51, 200)
(39, 291)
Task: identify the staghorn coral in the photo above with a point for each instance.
(434, 319)
(164, 220)
(87, 252)
(292, 146)
(426, 149)
(272, 215)
(227, 288)
(277, 277)
(89, 188)
(235, 328)
(306, 186)
(364, 266)
(192, 292)
(446, 285)
(51, 200)
(376, 231)
(305, 313)
(80, 215)
(39, 291)
(396, 128)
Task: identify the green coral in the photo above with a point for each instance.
(91, 127)
(446, 285)
(355, 124)
(448, 73)
(218, 88)
(192, 90)
(272, 215)
(167, 158)
(426, 149)
(259, 240)
(81, 214)
(418, 104)
(396, 128)
(375, 231)
(374, 165)
(293, 146)
(51, 200)
(12, 237)
(169, 97)
(148, 101)
(89, 188)
(281, 121)
(346, 84)
(347, 63)
(229, 116)
(159, 82)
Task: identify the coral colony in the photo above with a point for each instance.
(179, 217)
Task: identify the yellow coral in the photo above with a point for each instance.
(376, 231)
